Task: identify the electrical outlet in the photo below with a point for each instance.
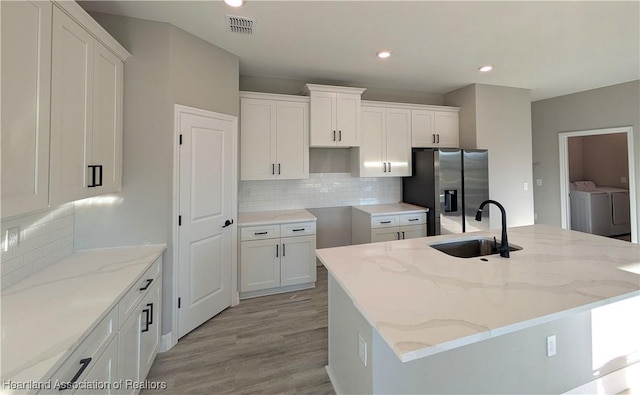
(362, 349)
(13, 237)
(551, 345)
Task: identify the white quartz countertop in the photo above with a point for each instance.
(274, 217)
(391, 209)
(423, 301)
(46, 315)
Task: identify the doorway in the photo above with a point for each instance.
(571, 147)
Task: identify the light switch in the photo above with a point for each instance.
(526, 186)
(551, 345)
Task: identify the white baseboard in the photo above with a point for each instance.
(333, 382)
(613, 383)
(167, 342)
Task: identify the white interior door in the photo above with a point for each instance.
(207, 185)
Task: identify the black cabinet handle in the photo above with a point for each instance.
(283, 251)
(385, 166)
(146, 286)
(277, 246)
(334, 135)
(402, 235)
(438, 141)
(84, 364)
(413, 219)
(434, 138)
(273, 168)
(339, 135)
(150, 316)
(298, 230)
(398, 233)
(227, 223)
(385, 222)
(146, 321)
(278, 168)
(92, 184)
(100, 182)
(389, 167)
(260, 233)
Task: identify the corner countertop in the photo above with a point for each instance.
(391, 209)
(257, 218)
(423, 301)
(46, 315)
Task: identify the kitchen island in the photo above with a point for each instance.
(406, 318)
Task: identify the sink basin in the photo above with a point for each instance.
(471, 248)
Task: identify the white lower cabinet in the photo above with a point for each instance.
(277, 258)
(372, 228)
(121, 348)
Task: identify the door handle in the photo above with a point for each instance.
(227, 223)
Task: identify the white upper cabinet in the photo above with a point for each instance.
(435, 127)
(335, 116)
(386, 147)
(274, 137)
(62, 77)
(26, 79)
(86, 114)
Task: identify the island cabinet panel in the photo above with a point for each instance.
(274, 137)
(26, 81)
(276, 258)
(385, 150)
(375, 225)
(334, 116)
(435, 128)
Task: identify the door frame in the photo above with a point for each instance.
(179, 109)
(565, 212)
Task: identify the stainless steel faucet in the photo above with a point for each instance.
(504, 243)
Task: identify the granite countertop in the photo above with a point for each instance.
(274, 217)
(423, 301)
(45, 316)
(391, 209)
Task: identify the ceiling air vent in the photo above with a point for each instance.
(240, 24)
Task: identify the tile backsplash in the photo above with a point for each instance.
(320, 190)
(43, 238)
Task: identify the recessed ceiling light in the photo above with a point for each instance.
(234, 3)
(385, 53)
(485, 69)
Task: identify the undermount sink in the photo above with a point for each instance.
(471, 248)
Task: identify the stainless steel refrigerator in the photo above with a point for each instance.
(451, 183)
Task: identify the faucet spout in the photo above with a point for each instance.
(504, 243)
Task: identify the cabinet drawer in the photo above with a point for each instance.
(384, 221)
(83, 359)
(139, 290)
(298, 229)
(260, 232)
(413, 219)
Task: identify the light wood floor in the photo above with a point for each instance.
(269, 345)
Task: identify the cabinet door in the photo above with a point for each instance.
(71, 104)
(292, 140)
(259, 264)
(298, 262)
(413, 231)
(371, 151)
(323, 119)
(105, 370)
(151, 322)
(422, 128)
(257, 139)
(26, 79)
(385, 234)
(129, 350)
(398, 135)
(446, 129)
(106, 149)
(348, 120)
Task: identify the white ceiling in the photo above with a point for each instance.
(552, 48)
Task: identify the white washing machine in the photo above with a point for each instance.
(599, 210)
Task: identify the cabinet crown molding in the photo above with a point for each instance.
(273, 96)
(409, 106)
(308, 88)
(78, 14)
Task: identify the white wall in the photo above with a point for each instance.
(607, 107)
(167, 66)
(502, 125)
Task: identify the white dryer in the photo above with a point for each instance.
(590, 212)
